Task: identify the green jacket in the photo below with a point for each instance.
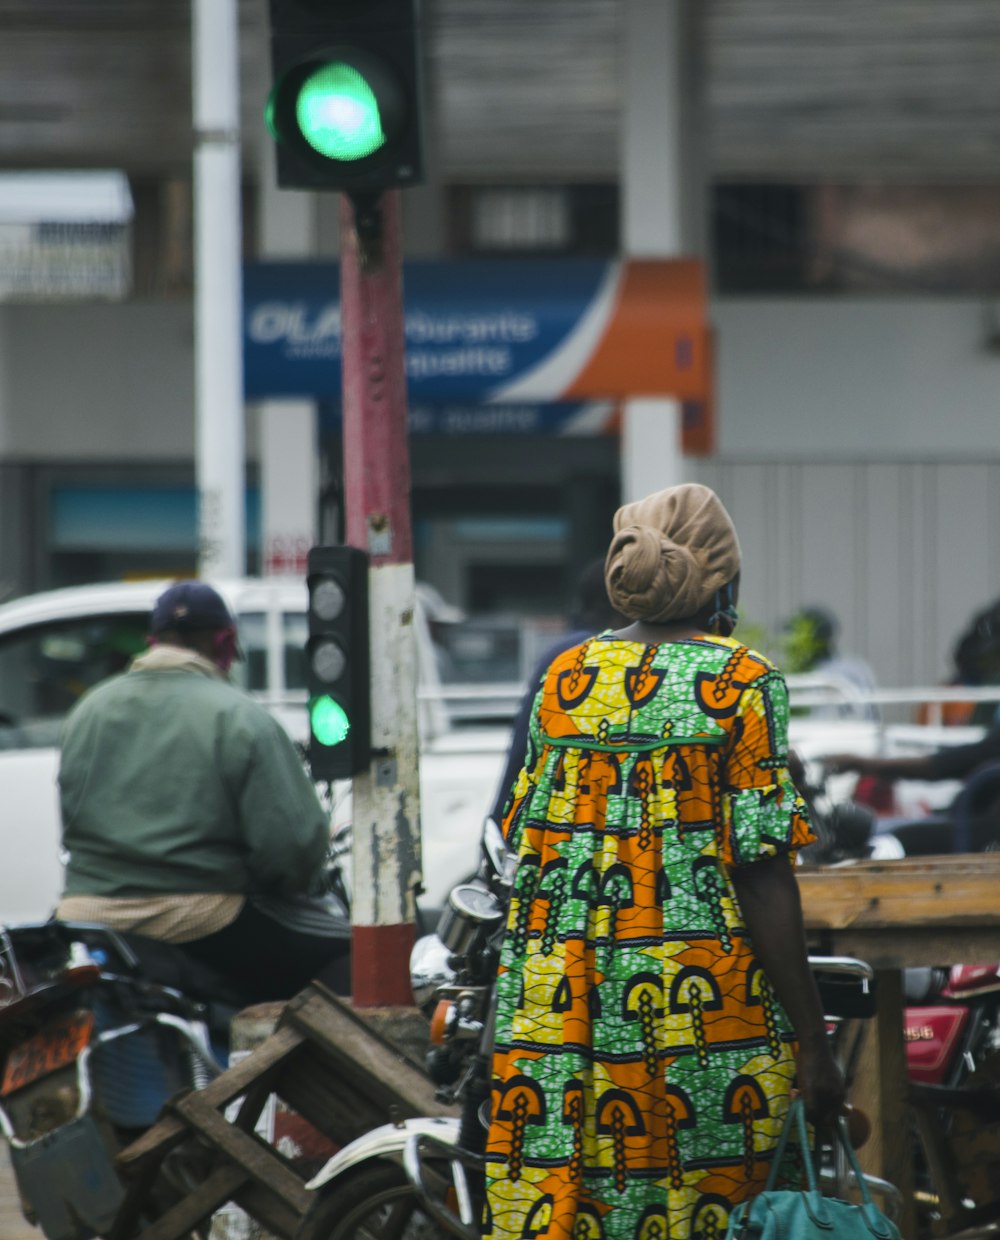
(173, 781)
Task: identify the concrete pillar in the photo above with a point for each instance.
(289, 449)
(219, 433)
(662, 188)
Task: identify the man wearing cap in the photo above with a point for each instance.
(184, 801)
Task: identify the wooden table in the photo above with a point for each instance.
(898, 914)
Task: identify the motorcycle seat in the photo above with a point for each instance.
(165, 964)
(169, 965)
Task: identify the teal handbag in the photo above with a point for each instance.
(789, 1214)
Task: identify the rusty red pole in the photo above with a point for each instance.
(386, 803)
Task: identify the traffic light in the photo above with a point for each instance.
(337, 663)
(344, 108)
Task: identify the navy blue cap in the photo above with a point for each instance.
(188, 605)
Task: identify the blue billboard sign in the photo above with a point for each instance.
(514, 332)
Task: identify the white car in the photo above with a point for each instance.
(57, 644)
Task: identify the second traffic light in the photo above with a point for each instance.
(345, 105)
(338, 663)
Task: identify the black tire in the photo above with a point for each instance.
(373, 1201)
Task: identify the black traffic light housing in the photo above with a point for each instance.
(356, 54)
(337, 661)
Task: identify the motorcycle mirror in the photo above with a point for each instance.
(500, 857)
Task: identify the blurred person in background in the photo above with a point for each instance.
(810, 646)
(938, 833)
(976, 661)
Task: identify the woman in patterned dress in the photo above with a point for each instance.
(655, 1001)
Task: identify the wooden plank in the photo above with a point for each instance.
(273, 1217)
(318, 1092)
(948, 863)
(946, 892)
(169, 1130)
(135, 1202)
(880, 1090)
(910, 948)
(377, 1068)
(249, 1152)
(196, 1206)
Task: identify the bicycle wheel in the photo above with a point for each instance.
(373, 1201)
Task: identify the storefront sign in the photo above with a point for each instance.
(510, 332)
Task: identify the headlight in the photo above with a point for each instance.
(429, 971)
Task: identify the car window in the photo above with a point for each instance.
(250, 672)
(478, 651)
(44, 670)
(295, 631)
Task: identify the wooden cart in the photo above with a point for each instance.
(324, 1062)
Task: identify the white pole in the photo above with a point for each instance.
(220, 464)
(289, 444)
(652, 145)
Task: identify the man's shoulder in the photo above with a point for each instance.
(210, 694)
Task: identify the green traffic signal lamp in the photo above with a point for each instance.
(328, 721)
(345, 106)
(339, 111)
(337, 662)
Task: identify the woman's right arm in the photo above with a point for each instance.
(769, 900)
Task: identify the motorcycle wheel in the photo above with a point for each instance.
(373, 1201)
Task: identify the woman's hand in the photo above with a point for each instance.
(820, 1081)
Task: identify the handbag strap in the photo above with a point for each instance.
(796, 1119)
(852, 1158)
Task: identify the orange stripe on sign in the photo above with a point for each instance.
(655, 342)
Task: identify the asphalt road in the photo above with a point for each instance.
(12, 1223)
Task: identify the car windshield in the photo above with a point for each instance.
(44, 669)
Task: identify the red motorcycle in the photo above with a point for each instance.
(952, 1023)
(952, 1039)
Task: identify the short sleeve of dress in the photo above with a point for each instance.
(520, 793)
(763, 814)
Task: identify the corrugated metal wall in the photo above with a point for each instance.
(903, 553)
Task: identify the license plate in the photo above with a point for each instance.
(55, 1046)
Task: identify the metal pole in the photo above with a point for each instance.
(386, 798)
(220, 466)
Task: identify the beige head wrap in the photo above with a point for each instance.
(670, 553)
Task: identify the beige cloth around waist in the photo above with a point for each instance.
(169, 918)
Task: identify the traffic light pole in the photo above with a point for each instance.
(386, 806)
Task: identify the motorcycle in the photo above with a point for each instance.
(97, 1030)
(952, 1042)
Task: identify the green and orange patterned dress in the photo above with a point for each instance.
(642, 1066)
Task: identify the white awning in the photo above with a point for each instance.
(84, 197)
